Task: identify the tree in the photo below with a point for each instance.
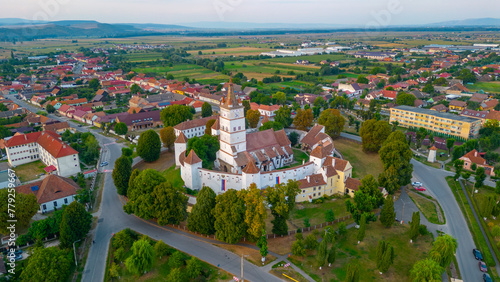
(329, 215)
(333, 122)
(47, 264)
(121, 128)
(381, 247)
(281, 199)
(332, 253)
(443, 249)
(480, 177)
(161, 249)
(205, 147)
(405, 99)
(303, 119)
(140, 192)
(342, 230)
(94, 83)
(167, 136)
(362, 228)
(229, 214)
(373, 134)
(387, 215)
(387, 259)
(449, 144)
(206, 110)
(426, 270)
(121, 174)
(428, 88)
(298, 248)
(311, 242)
(322, 253)
(75, 224)
(142, 258)
(367, 198)
(175, 114)
(26, 207)
(352, 272)
(414, 225)
(149, 146)
(293, 137)
(389, 179)
(175, 274)
(362, 79)
(459, 165)
(262, 244)
(193, 268)
(127, 152)
(201, 219)
(397, 153)
(255, 214)
(50, 109)
(253, 117)
(246, 105)
(280, 97)
(271, 125)
(176, 260)
(208, 126)
(170, 204)
(284, 116)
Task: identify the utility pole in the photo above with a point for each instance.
(242, 268)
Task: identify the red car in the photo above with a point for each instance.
(482, 266)
(420, 188)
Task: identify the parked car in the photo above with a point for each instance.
(477, 254)
(487, 278)
(104, 163)
(416, 183)
(420, 188)
(482, 266)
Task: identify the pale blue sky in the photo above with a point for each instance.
(353, 12)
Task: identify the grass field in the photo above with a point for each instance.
(362, 163)
(299, 156)
(173, 176)
(348, 250)
(316, 212)
(492, 86)
(426, 206)
(30, 171)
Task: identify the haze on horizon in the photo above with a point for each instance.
(355, 12)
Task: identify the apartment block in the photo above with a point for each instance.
(444, 123)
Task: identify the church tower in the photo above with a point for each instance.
(232, 136)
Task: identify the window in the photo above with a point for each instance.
(44, 206)
(55, 204)
(65, 200)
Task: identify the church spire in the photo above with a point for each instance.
(231, 100)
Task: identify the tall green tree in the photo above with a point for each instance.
(201, 219)
(149, 146)
(75, 224)
(284, 116)
(280, 97)
(167, 136)
(253, 117)
(255, 213)
(121, 128)
(381, 247)
(26, 206)
(405, 99)
(373, 134)
(332, 254)
(449, 144)
(480, 177)
(362, 228)
(206, 110)
(387, 215)
(459, 166)
(193, 268)
(281, 199)
(170, 204)
(443, 250)
(396, 152)
(303, 119)
(50, 109)
(175, 114)
(205, 147)
(414, 225)
(322, 254)
(389, 179)
(262, 244)
(352, 272)
(333, 122)
(47, 264)
(229, 213)
(142, 258)
(426, 270)
(140, 193)
(367, 198)
(121, 174)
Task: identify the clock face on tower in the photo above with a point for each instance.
(237, 114)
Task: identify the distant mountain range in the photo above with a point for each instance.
(12, 29)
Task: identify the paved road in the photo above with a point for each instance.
(456, 225)
(350, 136)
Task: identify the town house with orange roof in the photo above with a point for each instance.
(46, 146)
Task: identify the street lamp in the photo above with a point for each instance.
(74, 251)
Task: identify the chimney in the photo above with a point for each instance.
(475, 153)
(308, 178)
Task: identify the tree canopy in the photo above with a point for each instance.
(75, 224)
(205, 147)
(373, 134)
(253, 117)
(121, 128)
(47, 264)
(201, 219)
(405, 99)
(167, 136)
(121, 174)
(175, 114)
(333, 122)
(149, 146)
(206, 110)
(229, 213)
(303, 119)
(396, 153)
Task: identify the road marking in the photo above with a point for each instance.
(107, 170)
(110, 143)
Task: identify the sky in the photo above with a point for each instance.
(346, 12)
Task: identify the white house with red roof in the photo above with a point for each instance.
(46, 146)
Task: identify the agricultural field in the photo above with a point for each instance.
(231, 51)
(492, 86)
(196, 72)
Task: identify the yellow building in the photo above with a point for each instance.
(444, 123)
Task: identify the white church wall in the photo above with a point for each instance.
(213, 179)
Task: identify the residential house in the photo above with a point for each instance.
(350, 89)
(192, 128)
(478, 98)
(440, 108)
(58, 127)
(141, 120)
(457, 106)
(388, 94)
(53, 192)
(265, 110)
(474, 157)
(489, 105)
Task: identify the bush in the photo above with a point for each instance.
(311, 243)
(317, 201)
(422, 229)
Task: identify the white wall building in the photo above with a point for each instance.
(193, 128)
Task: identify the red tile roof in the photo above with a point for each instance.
(51, 188)
(49, 140)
